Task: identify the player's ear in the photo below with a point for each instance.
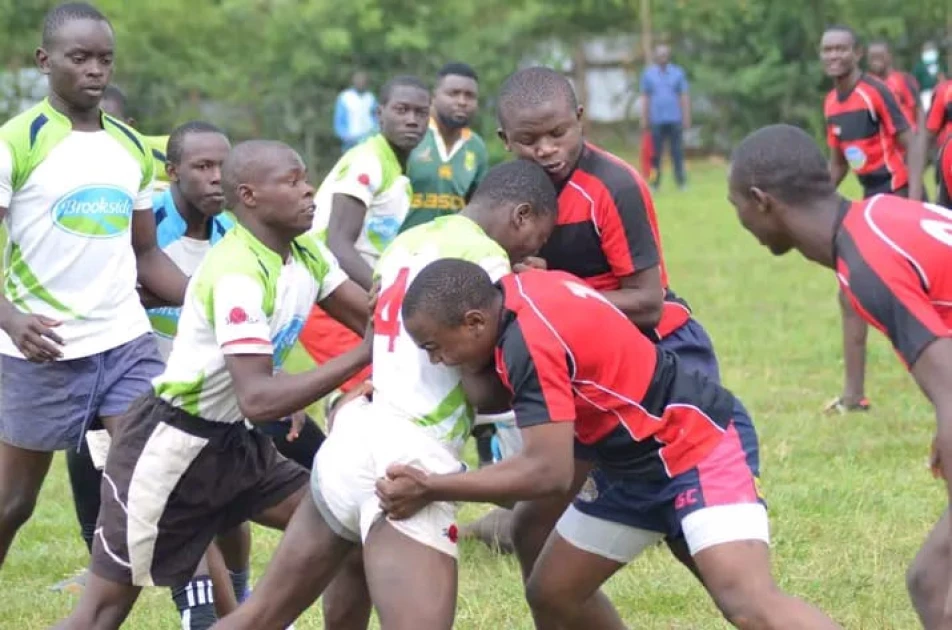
(502, 136)
(762, 199)
(474, 319)
(579, 112)
(246, 196)
(42, 60)
(171, 171)
(521, 213)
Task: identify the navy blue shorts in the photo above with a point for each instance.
(48, 406)
(727, 476)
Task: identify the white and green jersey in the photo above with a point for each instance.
(404, 379)
(70, 196)
(370, 173)
(243, 299)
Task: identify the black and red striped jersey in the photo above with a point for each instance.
(568, 355)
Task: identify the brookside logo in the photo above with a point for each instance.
(94, 211)
(284, 340)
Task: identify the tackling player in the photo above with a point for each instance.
(665, 437)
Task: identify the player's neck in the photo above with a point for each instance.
(847, 82)
(449, 135)
(81, 119)
(814, 229)
(402, 156)
(277, 242)
(196, 223)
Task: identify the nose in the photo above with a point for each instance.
(434, 357)
(215, 174)
(308, 189)
(545, 148)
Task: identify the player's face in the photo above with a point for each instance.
(455, 100)
(527, 232)
(468, 346)
(198, 174)
(760, 222)
(404, 117)
(284, 196)
(877, 59)
(79, 62)
(549, 135)
(838, 53)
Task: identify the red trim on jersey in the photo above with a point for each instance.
(939, 120)
(247, 341)
(724, 475)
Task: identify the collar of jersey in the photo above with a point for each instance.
(446, 154)
(60, 118)
(267, 255)
(471, 225)
(385, 151)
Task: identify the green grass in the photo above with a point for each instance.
(850, 496)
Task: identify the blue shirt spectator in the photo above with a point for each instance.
(355, 113)
(664, 86)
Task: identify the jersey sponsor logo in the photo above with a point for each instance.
(445, 171)
(589, 490)
(452, 532)
(94, 211)
(285, 339)
(364, 179)
(426, 155)
(855, 157)
(164, 320)
(470, 161)
(237, 316)
(437, 201)
(383, 229)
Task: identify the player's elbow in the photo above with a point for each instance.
(255, 404)
(553, 478)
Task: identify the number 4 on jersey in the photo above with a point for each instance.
(941, 230)
(387, 313)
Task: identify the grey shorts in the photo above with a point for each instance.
(48, 406)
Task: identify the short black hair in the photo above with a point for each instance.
(173, 151)
(783, 161)
(446, 289)
(403, 80)
(531, 87)
(457, 69)
(243, 163)
(518, 181)
(65, 13)
(842, 28)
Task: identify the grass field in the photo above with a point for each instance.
(850, 496)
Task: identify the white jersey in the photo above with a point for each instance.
(70, 197)
(405, 381)
(242, 300)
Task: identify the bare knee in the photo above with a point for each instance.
(750, 606)
(16, 509)
(547, 601)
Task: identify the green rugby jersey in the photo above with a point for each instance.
(444, 180)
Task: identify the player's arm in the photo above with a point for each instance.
(685, 98)
(157, 274)
(933, 373)
(891, 116)
(242, 332)
(628, 243)
(538, 372)
(838, 166)
(349, 304)
(343, 230)
(32, 334)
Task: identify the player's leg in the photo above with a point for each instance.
(412, 584)
(309, 554)
(42, 410)
(657, 141)
(677, 153)
(235, 547)
(928, 578)
(854, 360)
(104, 605)
(84, 481)
(346, 601)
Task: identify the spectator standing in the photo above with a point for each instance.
(354, 118)
(666, 111)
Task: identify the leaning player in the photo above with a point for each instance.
(943, 173)
(892, 259)
(665, 435)
(183, 467)
(608, 235)
(868, 133)
(419, 415)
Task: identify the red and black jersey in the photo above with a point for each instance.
(939, 120)
(943, 173)
(864, 124)
(906, 90)
(894, 262)
(607, 229)
(635, 409)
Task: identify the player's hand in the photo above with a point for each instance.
(530, 262)
(935, 464)
(402, 492)
(372, 296)
(33, 335)
(297, 423)
(364, 389)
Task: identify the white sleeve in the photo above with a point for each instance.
(496, 267)
(144, 198)
(361, 178)
(241, 326)
(334, 277)
(6, 175)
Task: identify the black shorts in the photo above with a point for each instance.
(878, 190)
(172, 482)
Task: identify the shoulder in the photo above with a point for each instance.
(611, 172)
(475, 142)
(874, 87)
